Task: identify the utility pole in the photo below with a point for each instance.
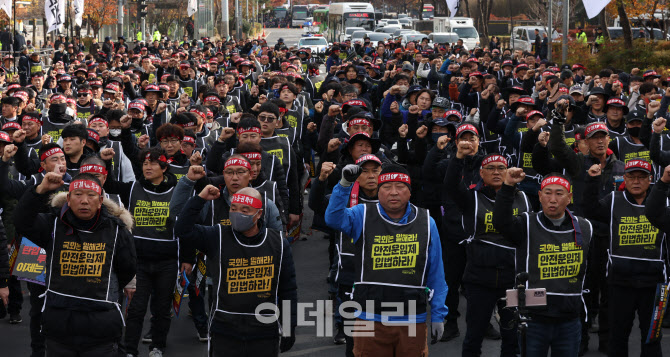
(551, 3)
(238, 28)
(225, 30)
(142, 13)
(119, 15)
(566, 27)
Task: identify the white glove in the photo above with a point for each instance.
(436, 331)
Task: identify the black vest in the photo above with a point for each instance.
(483, 226)
(391, 260)
(554, 261)
(294, 118)
(80, 265)
(346, 249)
(248, 276)
(151, 212)
(629, 150)
(633, 240)
(281, 148)
(53, 129)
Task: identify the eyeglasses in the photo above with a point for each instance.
(267, 118)
(637, 177)
(82, 95)
(169, 141)
(495, 168)
(239, 172)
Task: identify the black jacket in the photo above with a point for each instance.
(77, 321)
(622, 272)
(559, 308)
(206, 239)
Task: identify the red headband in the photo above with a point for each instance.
(161, 158)
(253, 129)
(252, 155)
(237, 162)
(57, 96)
(196, 111)
(247, 200)
(49, 153)
(212, 98)
(283, 110)
(85, 185)
(394, 177)
(98, 120)
(31, 118)
(189, 139)
(555, 180)
(93, 169)
(494, 158)
(359, 121)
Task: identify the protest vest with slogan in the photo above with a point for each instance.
(151, 212)
(248, 277)
(80, 265)
(555, 261)
(279, 147)
(633, 239)
(392, 259)
(346, 249)
(53, 129)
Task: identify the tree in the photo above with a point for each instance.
(641, 12)
(625, 24)
(100, 13)
(539, 11)
(484, 14)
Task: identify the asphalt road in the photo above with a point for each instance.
(311, 259)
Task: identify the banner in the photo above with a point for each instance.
(78, 11)
(660, 304)
(179, 290)
(28, 262)
(453, 7)
(192, 7)
(54, 11)
(594, 7)
(6, 5)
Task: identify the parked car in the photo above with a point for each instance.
(376, 37)
(406, 38)
(523, 37)
(443, 37)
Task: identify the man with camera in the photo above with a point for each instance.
(552, 246)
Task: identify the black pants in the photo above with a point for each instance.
(481, 301)
(36, 303)
(454, 266)
(57, 349)
(15, 296)
(157, 278)
(623, 303)
(222, 345)
(342, 295)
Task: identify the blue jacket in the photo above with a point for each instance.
(350, 222)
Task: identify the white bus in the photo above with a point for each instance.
(349, 14)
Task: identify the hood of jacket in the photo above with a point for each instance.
(109, 209)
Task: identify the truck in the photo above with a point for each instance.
(463, 26)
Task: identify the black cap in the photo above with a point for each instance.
(635, 115)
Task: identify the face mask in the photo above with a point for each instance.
(403, 90)
(209, 126)
(634, 132)
(241, 222)
(136, 124)
(57, 110)
(437, 136)
(69, 111)
(114, 132)
(214, 109)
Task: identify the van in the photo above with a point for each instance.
(462, 26)
(523, 37)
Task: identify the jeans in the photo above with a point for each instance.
(481, 301)
(624, 302)
(223, 345)
(57, 349)
(157, 278)
(563, 338)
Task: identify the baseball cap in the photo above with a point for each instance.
(466, 128)
(637, 164)
(576, 89)
(635, 115)
(593, 128)
(617, 103)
